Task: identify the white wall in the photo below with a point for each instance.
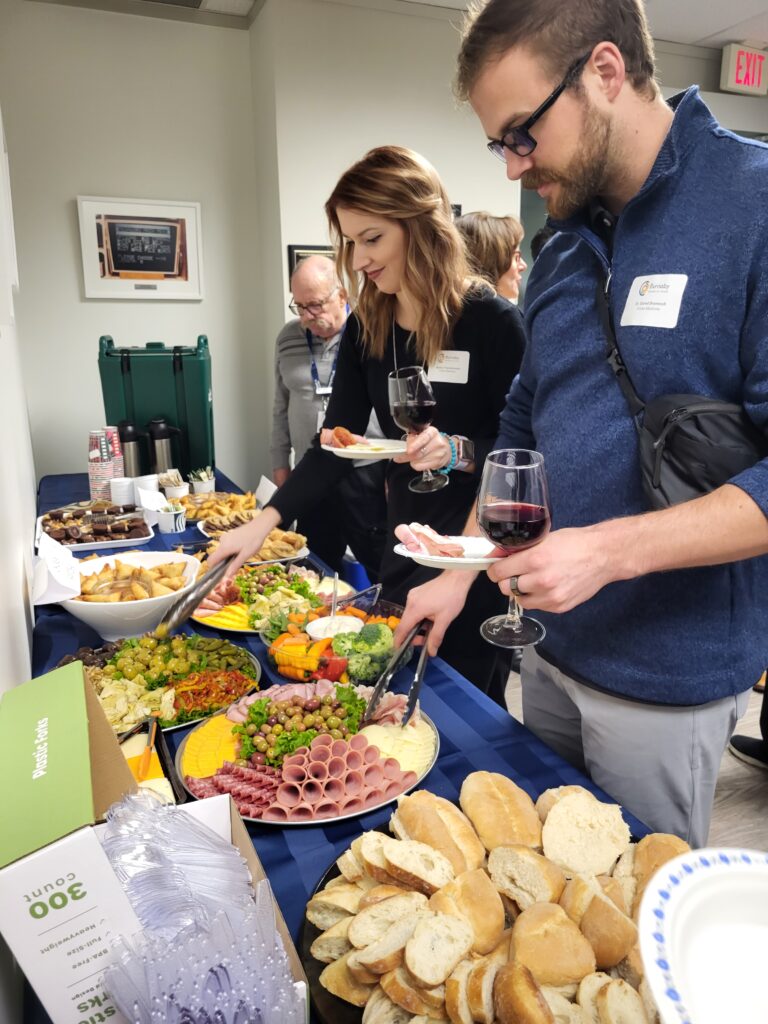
(118, 105)
(349, 78)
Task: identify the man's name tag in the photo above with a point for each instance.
(654, 301)
(450, 367)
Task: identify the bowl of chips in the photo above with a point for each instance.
(127, 595)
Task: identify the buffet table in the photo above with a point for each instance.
(475, 734)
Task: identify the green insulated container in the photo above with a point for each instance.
(143, 384)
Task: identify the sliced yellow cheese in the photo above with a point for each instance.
(413, 746)
(233, 616)
(208, 747)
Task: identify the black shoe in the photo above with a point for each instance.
(750, 750)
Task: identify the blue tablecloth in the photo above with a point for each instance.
(475, 734)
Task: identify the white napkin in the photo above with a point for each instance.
(55, 572)
(152, 502)
(264, 491)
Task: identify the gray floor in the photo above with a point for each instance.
(740, 816)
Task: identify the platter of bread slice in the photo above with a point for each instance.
(496, 911)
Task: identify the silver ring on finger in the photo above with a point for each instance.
(514, 586)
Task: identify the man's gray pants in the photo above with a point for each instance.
(659, 762)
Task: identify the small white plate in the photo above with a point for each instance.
(378, 449)
(475, 560)
(703, 935)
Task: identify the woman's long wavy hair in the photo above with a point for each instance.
(398, 184)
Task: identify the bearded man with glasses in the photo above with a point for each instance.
(656, 621)
(306, 351)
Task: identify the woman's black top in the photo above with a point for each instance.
(491, 331)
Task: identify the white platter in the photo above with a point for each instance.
(378, 449)
(321, 822)
(703, 935)
(301, 553)
(475, 560)
(133, 542)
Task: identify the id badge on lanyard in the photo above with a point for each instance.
(323, 391)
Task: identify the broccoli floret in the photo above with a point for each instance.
(344, 644)
(363, 668)
(376, 639)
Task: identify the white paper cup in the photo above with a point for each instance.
(146, 483)
(177, 492)
(203, 486)
(121, 490)
(172, 522)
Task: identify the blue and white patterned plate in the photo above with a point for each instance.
(704, 937)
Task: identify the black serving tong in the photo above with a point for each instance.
(396, 662)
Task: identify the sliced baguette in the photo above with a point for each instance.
(371, 923)
(386, 953)
(417, 865)
(550, 945)
(339, 982)
(330, 905)
(473, 897)
(631, 968)
(456, 1002)
(333, 943)
(350, 866)
(517, 997)
(400, 988)
(361, 974)
(381, 1010)
(587, 994)
(562, 1008)
(481, 979)
(440, 824)
(584, 836)
(381, 892)
(437, 945)
(649, 1003)
(525, 876)
(501, 812)
(369, 853)
(618, 1003)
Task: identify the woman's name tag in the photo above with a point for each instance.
(450, 367)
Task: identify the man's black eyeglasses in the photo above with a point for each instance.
(519, 139)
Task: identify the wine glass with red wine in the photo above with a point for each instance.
(412, 403)
(513, 513)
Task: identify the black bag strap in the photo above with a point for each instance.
(613, 355)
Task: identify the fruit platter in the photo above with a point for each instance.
(295, 754)
(180, 680)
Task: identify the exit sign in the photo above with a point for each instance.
(744, 69)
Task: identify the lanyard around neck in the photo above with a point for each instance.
(313, 365)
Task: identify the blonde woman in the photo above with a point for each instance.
(493, 245)
(414, 299)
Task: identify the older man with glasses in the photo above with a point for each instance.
(306, 351)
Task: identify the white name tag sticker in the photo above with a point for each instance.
(654, 301)
(450, 367)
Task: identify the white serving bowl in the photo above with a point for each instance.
(130, 618)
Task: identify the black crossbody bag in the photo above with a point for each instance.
(689, 444)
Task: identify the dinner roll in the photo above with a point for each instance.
(525, 876)
(551, 946)
(609, 931)
(651, 853)
(583, 835)
(517, 997)
(549, 798)
(473, 898)
(437, 822)
(501, 812)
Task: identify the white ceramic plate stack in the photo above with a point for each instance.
(703, 937)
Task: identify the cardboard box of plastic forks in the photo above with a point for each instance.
(60, 769)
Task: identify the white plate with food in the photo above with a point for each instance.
(331, 779)
(302, 552)
(70, 533)
(475, 558)
(703, 928)
(380, 448)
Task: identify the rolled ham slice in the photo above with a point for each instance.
(358, 742)
(333, 789)
(326, 809)
(289, 794)
(354, 759)
(302, 812)
(424, 540)
(337, 766)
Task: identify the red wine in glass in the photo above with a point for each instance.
(413, 417)
(514, 525)
(513, 513)
(412, 404)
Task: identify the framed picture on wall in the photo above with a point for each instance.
(297, 253)
(140, 248)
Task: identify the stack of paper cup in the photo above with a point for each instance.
(146, 483)
(121, 491)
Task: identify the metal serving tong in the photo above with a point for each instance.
(180, 610)
(396, 662)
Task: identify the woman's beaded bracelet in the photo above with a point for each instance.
(454, 455)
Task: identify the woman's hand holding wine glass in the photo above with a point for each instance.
(412, 404)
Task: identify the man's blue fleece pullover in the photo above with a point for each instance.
(690, 636)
